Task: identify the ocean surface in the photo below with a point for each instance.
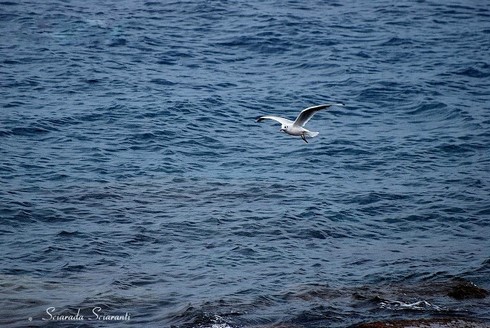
(135, 183)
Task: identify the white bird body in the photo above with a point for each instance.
(296, 127)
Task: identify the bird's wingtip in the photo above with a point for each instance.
(326, 105)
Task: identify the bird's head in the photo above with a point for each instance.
(284, 128)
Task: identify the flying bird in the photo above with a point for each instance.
(296, 128)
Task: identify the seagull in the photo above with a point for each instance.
(296, 128)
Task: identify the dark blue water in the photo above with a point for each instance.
(134, 179)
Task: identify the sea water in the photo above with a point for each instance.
(136, 185)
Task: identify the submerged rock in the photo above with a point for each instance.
(426, 323)
(466, 290)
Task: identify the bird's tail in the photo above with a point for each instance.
(312, 134)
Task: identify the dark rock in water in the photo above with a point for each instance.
(426, 323)
(466, 290)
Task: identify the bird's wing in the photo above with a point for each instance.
(281, 120)
(307, 113)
